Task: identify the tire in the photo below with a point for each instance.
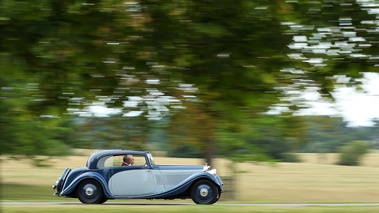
(90, 192)
(103, 200)
(204, 192)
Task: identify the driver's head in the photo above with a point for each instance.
(129, 159)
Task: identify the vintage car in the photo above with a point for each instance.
(104, 177)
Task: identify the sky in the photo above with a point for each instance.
(357, 107)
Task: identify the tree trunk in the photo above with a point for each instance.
(209, 151)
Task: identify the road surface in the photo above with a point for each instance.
(218, 204)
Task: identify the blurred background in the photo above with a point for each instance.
(241, 81)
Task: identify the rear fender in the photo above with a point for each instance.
(71, 187)
(61, 181)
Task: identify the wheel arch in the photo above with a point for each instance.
(214, 179)
(71, 189)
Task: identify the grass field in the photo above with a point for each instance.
(314, 180)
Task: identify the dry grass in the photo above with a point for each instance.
(369, 160)
(310, 181)
(182, 209)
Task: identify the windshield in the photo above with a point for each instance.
(151, 159)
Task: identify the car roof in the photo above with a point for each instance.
(92, 160)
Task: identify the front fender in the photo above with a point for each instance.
(216, 179)
(220, 183)
(186, 184)
(70, 187)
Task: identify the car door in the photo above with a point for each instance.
(132, 180)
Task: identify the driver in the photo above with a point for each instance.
(128, 160)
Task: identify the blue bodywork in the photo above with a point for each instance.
(103, 175)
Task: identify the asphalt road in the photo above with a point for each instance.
(218, 204)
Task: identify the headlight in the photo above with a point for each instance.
(213, 172)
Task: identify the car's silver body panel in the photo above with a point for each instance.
(135, 182)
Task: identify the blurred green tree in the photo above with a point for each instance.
(241, 56)
(113, 132)
(330, 39)
(323, 134)
(352, 153)
(231, 51)
(25, 135)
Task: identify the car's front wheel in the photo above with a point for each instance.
(90, 192)
(204, 192)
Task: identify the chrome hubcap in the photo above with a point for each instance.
(203, 192)
(89, 191)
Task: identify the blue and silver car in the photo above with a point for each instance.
(106, 176)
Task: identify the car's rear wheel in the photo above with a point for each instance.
(204, 192)
(90, 192)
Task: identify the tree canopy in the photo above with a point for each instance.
(224, 61)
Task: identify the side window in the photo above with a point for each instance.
(139, 160)
(106, 161)
(118, 160)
